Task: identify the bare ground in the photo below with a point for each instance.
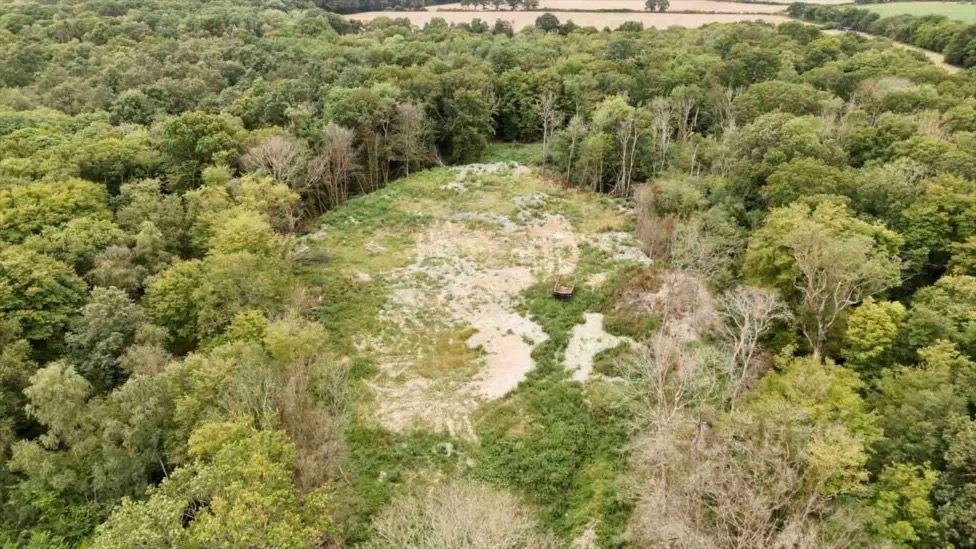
(463, 282)
(586, 341)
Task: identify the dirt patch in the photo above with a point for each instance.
(449, 334)
(585, 342)
(682, 302)
(508, 339)
(620, 247)
(467, 274)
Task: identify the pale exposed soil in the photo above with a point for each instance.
(586, 341)
(522, 19)
(471, 277)
(466, 276)
(683, 303)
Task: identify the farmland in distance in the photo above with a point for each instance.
(523, 19)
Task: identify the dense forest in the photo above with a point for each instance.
(171, 377)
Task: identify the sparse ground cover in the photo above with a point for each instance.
(963, 11)
(468, 364)
(432, 273)
(523, 19)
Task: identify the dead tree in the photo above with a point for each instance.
(627, 137)
(280, 157)
(332, 170)
(749, 313)
(551, 117)
(411, 136)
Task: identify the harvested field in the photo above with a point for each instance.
(703, 6)
(523, 19)
(820, 2)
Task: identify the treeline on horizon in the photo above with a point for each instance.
(955, 39)
(357, 6)
(173, 375)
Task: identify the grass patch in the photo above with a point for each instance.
(549, 439)
(962, 11)
(443, 353)
(629, 322)
(605, 362)
(523, 153)
(592, 213)
(349, 307)
(623, 314)
(381, 462)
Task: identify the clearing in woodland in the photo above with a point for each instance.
(442, 283)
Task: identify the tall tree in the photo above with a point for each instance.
(825, 260)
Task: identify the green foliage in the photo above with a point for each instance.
(901, 505)
(775, 138)
(942, 213)
(247, 268)
(38, 293)
(518, 111)
(872, 335)
(957, 491)
(778, 96)
(144, 201)
(78, 241)
(194, 139)
(93, 452)
(916, 405)
(170, 303)
(240, 492)
(236, 282)
(469, 127)
(805, 249)
(816, 410)
(802, 177)
(28, 208)
(108, 324)
(121, 133)
(919, 23)
(943, 311)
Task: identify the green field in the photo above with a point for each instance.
(963, 11)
